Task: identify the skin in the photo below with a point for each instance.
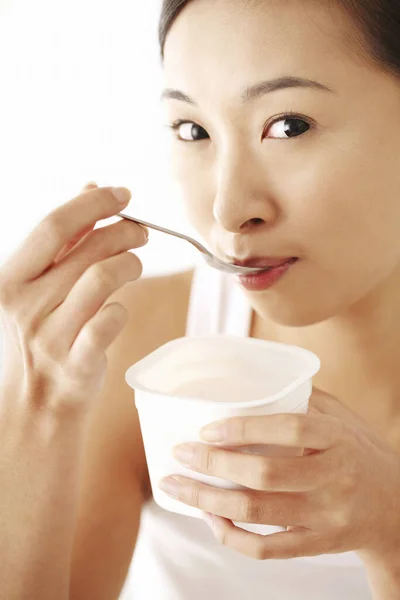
(302, 191)
(329, 197)
(76, 535)
(74, 317)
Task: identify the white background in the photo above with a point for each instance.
(80, 85)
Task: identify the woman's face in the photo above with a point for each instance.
(321, 184)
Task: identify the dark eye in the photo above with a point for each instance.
(287, 128)
(189, 132)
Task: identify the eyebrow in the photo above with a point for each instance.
(258, 90)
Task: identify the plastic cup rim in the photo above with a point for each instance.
(313, 360)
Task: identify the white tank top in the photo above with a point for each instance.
(178, 558)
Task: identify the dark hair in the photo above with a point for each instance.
(377, 20)
(170, 11)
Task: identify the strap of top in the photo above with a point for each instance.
(217, 306)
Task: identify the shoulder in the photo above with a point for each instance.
(157, 308)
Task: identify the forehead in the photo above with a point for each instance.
(238, 40)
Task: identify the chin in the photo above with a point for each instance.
(303, 298)
(295, 317)
(293, 312)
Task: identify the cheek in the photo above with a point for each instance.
(345, 211)
(347, 259)
(194, 180)
(348, 229)
(200, 215)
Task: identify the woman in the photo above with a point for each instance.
(286, 122)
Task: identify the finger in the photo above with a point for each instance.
(48, 238)
(324, 403)
(89, 294)
(75, 240)
(290, 430)
(283, 545)
(246, 506)
(300, 474)
(101, 243)
(50, 290)
(93, 340)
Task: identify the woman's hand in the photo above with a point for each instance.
(56, 326)
(342, 495)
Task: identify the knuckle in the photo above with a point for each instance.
(28, 325)
(347, 469)
(208, 460)
(53, 225)
(298, 426)
(249, 509)
(236, 429)
(42, 346)
(91, 372)
(349, 481)
(194, 495)
(91, 337)
(346, 431)
(350, 472)
(340, 518)
(119, 314)
(8, 293)
(259, 550)
(100, 277)
(100, 237)
(330, 513)
(266, 474)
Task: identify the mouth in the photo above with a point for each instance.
(265, 263)
(272, 269)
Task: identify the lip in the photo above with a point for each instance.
(265, 261)
(265, 279)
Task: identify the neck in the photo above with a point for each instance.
(359, 352)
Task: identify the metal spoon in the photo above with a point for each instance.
(210, 259)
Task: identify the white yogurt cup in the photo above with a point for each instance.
(191, 382)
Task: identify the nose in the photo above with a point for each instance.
(243, 200)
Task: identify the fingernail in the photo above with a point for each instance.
(171, 486)
(213, 433)
(145, 233)
(123, 195)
